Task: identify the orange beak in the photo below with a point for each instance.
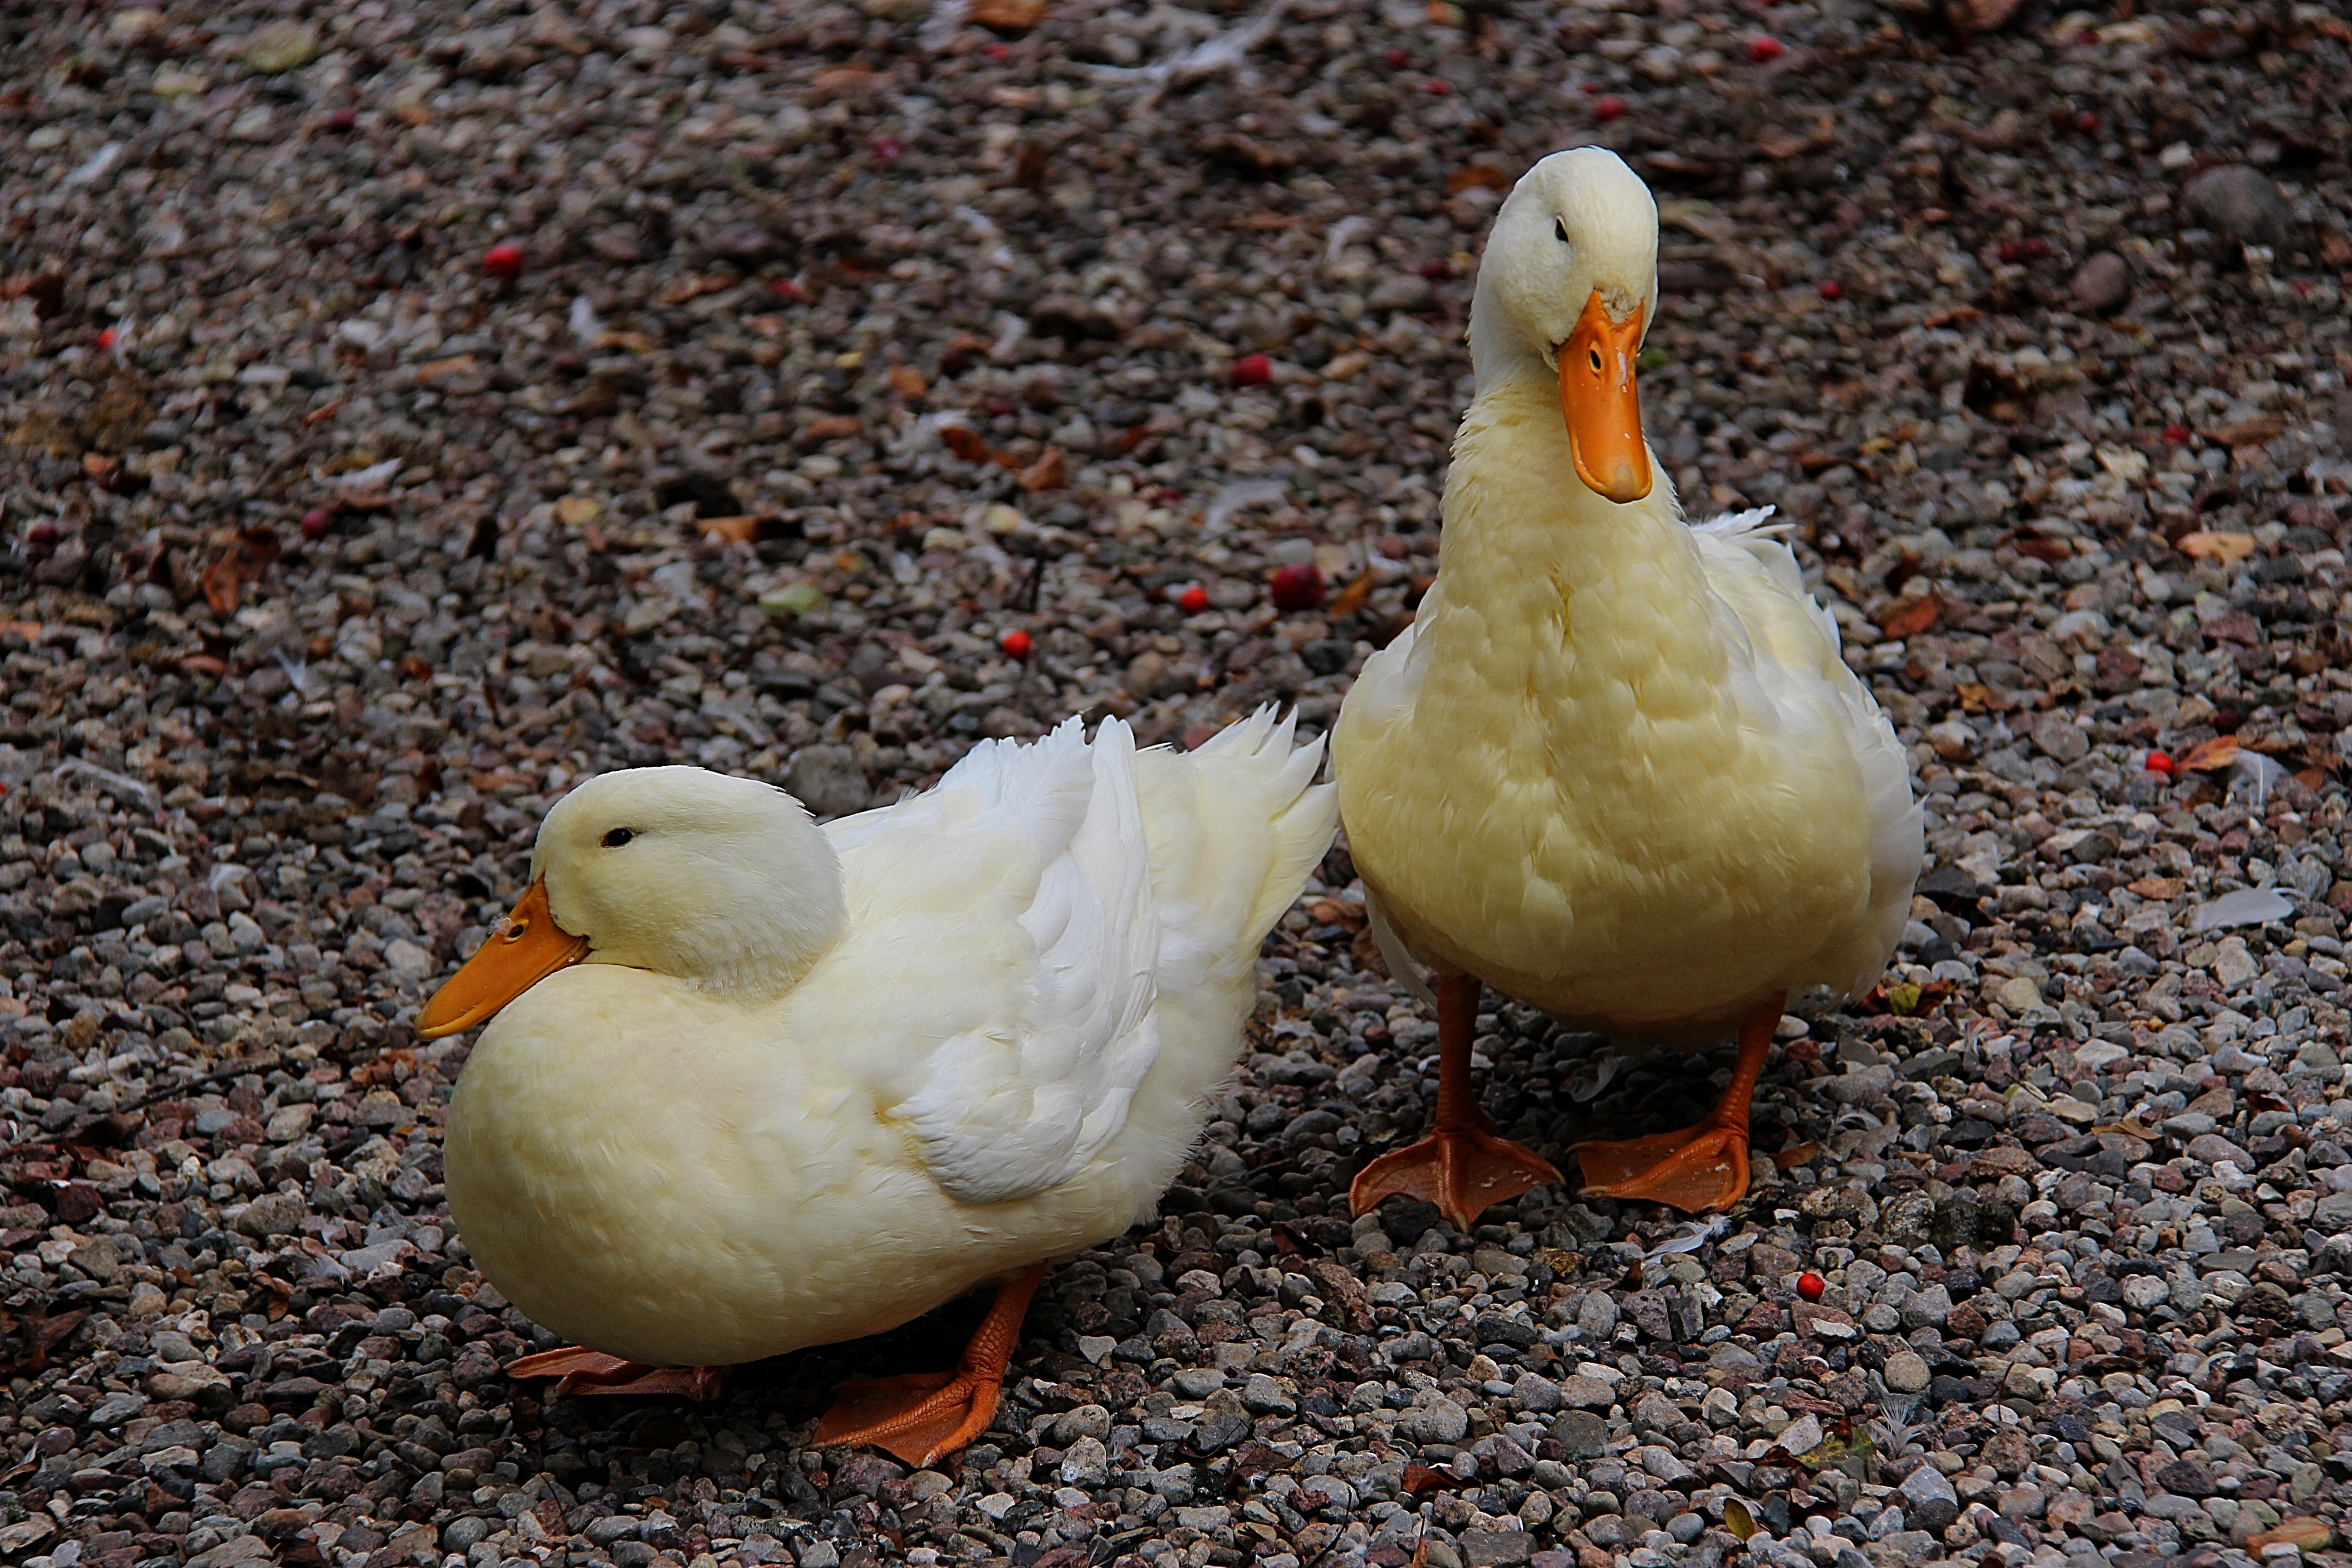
(528, 949)
(1602, 410)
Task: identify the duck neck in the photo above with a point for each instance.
(1536, 564)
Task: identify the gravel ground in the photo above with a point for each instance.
(845, 341)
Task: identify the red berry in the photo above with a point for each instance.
(2157, 762)
(2176, 435)
(1397, 58)
(316, 522)
(2085, 122)
(1016, 644)
(889, 150)
(1438, 88)
(503, 262)
(784, 288)
(1170, 494)
(341, 120)
(1253, 370)
(1607, 108)
(997, 51)
(1764, 48)
(106, 338)
(2036, 248)
(1298, 586)
(1811, 1285)
(1435, 269)
(1192, 600)
(41, 535)
(1833, 290)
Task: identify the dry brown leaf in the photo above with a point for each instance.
(2207, 545)
(832, 427)
(1351, 598)
(908, 382)
(1008, 15)
(1476, 175)
(729, 530)
(435, 370)
(243, 560)
(1047, 473)
(410, 112)
(2220, 752)
(967, 443)
(2254, 432)
(1980, 15)
(2163, 890)
(578, 511)
(1909, 619)
(1801, 1154)
(694, 288)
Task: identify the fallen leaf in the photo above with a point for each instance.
(967, 443)
(1910, 619)
(2255, 432)
(1418, 1480)
(832, 427)
(1980, 15)
(2205, 545)
(1475, 176)
(1008, 15)
(409, 111)
(414, 667)
(39, 1334)
(1737, 1520)
(2205, 756)
(1047, 473)
(436, 370)
(2163, 890)
(578, 511)
(729, 530)
(2041, 546)
(1791, 1157)
(1351, 598)
(1784, 144)
(908, 382)
(243, 560)
(694, 288)
(635, 342)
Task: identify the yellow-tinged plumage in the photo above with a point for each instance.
(1617, 768)
(809, 1083)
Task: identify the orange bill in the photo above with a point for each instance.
(1602, 410)
(528, 949)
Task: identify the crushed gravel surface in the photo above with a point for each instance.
(835, 345)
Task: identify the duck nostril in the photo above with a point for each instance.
(1595, 355)
(515, 930)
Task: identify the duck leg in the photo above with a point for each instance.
(1464, 1165)
(924, 1415)
(592, 1372)
(1696, 1168)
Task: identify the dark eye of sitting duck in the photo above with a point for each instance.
(618, 836)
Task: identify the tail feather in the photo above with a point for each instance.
(1235, 829)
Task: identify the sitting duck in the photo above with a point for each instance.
(751, 1084)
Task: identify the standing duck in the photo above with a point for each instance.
(751, 1084)
(1617, 769)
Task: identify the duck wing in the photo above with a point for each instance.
(1794, 677)
(1006, 946)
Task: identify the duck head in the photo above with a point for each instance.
(725, 882)
(1569, 284)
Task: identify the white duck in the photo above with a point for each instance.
(753, 1084)
(1617, 769)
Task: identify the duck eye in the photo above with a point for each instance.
(618, 836)
(1560, 230)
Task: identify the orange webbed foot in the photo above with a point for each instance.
(917, 1417)
(586, 1371)
(1694, 1169)
(1464, 1171)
